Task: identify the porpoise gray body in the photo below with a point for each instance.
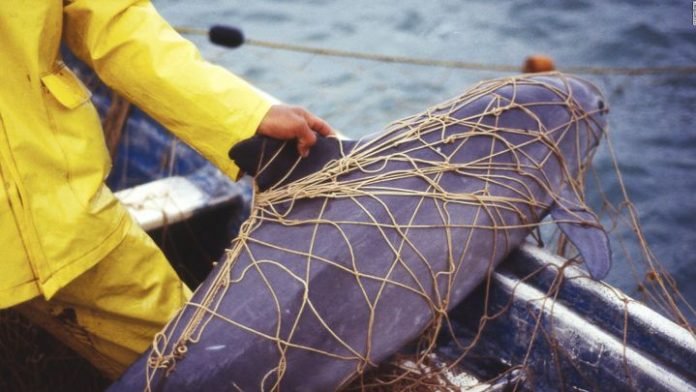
(382, 236)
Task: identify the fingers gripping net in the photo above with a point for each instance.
(351, 262)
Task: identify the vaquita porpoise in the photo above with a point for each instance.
(354, 252)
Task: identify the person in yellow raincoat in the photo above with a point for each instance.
(72, 258)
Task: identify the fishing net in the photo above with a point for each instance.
(465, 347)
(418, 214)
(402, 186)
(32, 360)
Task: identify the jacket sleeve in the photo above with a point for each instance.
(138, 54)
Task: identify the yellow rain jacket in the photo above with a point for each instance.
(57, 218)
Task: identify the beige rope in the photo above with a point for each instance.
(423, 133)
(374, 186)
(473, 66)
(654, 283)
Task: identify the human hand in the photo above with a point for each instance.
(286, 122)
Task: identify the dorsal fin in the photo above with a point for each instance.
(274, 162)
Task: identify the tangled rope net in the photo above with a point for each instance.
(390, 181)
(358, 180)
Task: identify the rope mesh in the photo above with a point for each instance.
(419, 213)
(400, 185)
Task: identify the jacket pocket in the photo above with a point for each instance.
(66, 88)
(78, 134)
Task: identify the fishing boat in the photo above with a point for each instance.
(540, 324)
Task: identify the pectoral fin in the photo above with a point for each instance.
(585, 232)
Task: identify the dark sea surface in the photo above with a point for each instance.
(652, 116)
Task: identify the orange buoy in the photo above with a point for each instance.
(538, 63)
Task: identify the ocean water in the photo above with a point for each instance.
(651, 120)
